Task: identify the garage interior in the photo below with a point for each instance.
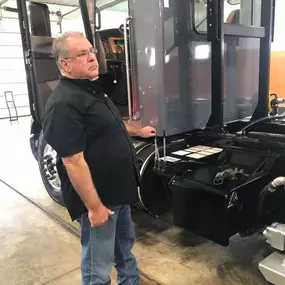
(38, 242)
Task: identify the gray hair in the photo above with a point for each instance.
(59, 48)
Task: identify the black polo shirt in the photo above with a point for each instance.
(80, 117)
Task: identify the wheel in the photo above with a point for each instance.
(154, 196)
(47, 158)
(34, 143)
(34, 138)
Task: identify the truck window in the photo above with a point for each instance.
(64, 19)
(243, 12)
(114, 16)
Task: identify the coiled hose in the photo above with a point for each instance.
(267, 190)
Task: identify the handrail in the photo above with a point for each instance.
(127, 20)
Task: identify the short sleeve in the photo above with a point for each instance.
(63, 129)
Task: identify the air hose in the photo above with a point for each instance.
(265, 119)
(267, 190)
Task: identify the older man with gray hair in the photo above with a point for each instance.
(98, 167)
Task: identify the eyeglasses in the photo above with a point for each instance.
(84, 53)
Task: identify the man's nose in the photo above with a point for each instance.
(92, 56)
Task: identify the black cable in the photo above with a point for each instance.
(241, 132)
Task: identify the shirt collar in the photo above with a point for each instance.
(87, 84)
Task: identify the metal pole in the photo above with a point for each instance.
(86, 21)
(215, 14)
(3, 2)
(267, 8)
(26, 43)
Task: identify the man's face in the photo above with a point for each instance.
(81, 62)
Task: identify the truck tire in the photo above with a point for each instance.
(34, 142)
(47, 158)
(34, 138)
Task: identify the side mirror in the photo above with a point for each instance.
(233, 2)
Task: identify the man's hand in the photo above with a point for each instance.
(99, 216)
(147, 132)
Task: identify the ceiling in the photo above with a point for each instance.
(65, 6)
(105, 4)
(115, 5)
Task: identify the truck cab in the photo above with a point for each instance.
(198, 71)
(119, 72)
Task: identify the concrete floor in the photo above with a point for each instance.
(36, 249)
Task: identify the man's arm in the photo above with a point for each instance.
(132, 130)
(145, 132)
(81, 179)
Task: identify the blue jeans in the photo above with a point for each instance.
(108, 246)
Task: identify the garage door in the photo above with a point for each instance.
(12, 70)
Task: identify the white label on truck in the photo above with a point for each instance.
(170, 159)
(195, 155)
(180, 152)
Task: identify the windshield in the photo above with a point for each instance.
(244, 12)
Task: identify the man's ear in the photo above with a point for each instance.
(64, 65)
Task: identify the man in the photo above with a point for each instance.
(97, 165)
